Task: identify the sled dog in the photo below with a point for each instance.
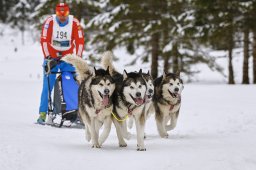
(167, 102)
(95, 99)
(148, 107)
(128, 99)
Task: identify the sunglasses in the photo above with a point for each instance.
(62, 13)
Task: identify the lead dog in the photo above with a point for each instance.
(95, 99)
(128, 99)
(167, 102)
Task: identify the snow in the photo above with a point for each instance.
(216, 128)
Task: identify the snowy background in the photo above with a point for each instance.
(216, 128)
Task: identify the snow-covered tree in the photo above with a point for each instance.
(20, 15)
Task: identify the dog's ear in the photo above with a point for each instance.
(164, 75)
(94, 71)
(125, 75)
(108, 71)
(178, 73)
(140, 72)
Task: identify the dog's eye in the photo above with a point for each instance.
(131, 87)
(140, 86)
(101, 84)
(178, 83)
(108, 84)
(171, 84)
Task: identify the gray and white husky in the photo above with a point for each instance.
(95, 99)
(128, 99)
(148, 107)
(167, 102)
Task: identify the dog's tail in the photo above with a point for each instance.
(107, 61)
(81, 66)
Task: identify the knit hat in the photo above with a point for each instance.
(62, 9)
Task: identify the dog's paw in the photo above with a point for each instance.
(122, 145)
(141, 149)
(166, 136)
(96, 146)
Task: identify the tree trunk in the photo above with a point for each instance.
(22, 37)
(254, 57)
(246, 58)
(166, 62)
(166, 54)
(154, 54)
(230, 67)
(230, 57)
(80, 8)
(175, 58)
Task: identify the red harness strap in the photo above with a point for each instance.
(98, 111)
(171, 107)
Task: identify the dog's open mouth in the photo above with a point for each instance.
(138, 100)
(174, 95)
(105, 99)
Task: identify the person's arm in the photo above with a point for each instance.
(46, 36)
(78, 37)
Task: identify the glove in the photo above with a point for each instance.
(50, 63)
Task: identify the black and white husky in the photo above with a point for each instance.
(148, 107)
(167, 102)
(95, 99)
(128, 99)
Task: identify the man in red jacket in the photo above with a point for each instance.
(61, 34)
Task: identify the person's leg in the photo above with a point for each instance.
(44, 95)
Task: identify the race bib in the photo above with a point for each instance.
(61, 36)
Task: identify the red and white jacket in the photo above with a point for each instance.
(56, 39)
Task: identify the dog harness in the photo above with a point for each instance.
(98, 110)
(120, 120)
(172, 105)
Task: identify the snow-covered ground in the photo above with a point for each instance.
(216, 128)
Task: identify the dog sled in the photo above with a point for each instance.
(63, 105)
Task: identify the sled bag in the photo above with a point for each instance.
(70, 91)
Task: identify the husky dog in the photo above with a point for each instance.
(95, 99)
(128, 99)
(167, 101)
(148, 98)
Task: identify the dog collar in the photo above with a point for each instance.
(98, 110)
(130, 109)
(172, 105)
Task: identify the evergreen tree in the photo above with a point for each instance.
(246, 23)
(5, 7)
(20, 15)
(218, 22)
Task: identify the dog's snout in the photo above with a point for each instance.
(176, 89)
(150, 91)
(106, 91)
(138, 94)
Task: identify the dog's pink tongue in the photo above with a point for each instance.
(105, 100)
(139, 101)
